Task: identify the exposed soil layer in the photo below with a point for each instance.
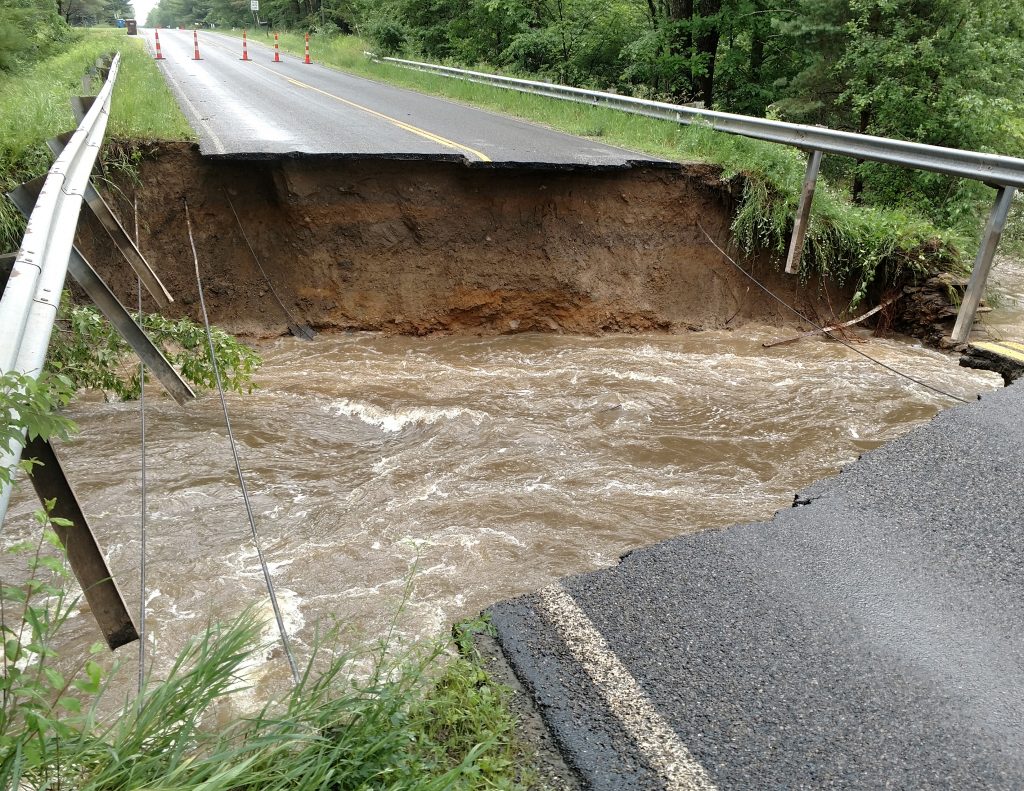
(429, 247)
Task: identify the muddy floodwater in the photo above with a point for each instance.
(482, 467)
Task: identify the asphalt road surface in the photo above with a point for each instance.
(262, 108)
(871, 637)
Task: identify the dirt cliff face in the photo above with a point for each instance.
(432, 247)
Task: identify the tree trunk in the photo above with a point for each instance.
(707, 50)
(758, 33)
(857, 190)
(653, 11)
(680, 42)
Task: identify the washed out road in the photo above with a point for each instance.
(871, 637)
(262, 108)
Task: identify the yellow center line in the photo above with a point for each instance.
(441, 141)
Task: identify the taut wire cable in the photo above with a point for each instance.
(238, 467)
(821, 329)
(142, 518)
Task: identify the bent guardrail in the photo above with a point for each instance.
(29, 304)
(1004, 173)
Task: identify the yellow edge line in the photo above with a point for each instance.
(441, 141)
(1001, 350)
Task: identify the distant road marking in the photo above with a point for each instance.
(441, 141)
(655, 740)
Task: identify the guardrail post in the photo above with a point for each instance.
(81, 105)
(983, 264)
(6, 265)
(124, 243)
(83, 552)
(803, 213)
(24, 198)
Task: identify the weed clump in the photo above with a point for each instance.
(419, 720)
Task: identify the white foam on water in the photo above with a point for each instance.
(393, 422)
(507, 537)
(386, 464)
(270, 656)
(636, 376)
(425, 493)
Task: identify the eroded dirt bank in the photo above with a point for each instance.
(424, 247)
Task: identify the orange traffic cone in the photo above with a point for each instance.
(245, 47)
(277, 52)
(159, 54)
(195, 40)
(307, 60)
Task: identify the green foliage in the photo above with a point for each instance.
(29, 406)
(35, 697)
(322, 16)
(29, 31)
(464, 704)
(90, 353)
(397, 729)
(945, 73)
(34, 106)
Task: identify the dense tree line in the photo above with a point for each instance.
(29, 30)
(32, 29)
(946, 72)
(323, 16)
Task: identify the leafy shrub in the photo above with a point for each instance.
(90, 353)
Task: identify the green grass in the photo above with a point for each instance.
(867, 248)
(34, 107)
(419, 718)
(405, 726)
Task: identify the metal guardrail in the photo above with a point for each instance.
(29, 303)
(28, 309)
(990, 168)
(1004, 173)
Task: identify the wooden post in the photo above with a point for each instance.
(983, 264)
(803, 214)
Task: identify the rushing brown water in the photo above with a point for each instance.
(1006, 322)
(485, 468)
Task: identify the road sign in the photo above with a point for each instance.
(254, 5)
